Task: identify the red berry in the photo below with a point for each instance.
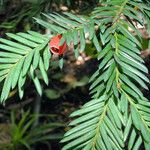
(55, 48)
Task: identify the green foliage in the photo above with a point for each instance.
(26, 52)
(20, 15)
(117, 117)
(23, 133)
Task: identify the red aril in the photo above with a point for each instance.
(55, 48)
